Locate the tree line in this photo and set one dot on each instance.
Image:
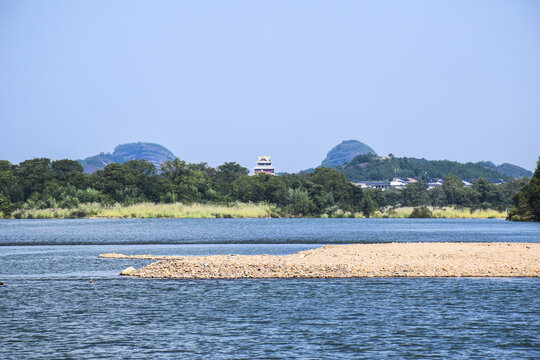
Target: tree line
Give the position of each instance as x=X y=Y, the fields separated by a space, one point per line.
x=41 y=183
x=527 y=199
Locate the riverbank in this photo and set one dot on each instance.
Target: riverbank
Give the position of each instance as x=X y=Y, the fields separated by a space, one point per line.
x=151 y=210
x=358 y=260
x=443 y=213
x=233 y=210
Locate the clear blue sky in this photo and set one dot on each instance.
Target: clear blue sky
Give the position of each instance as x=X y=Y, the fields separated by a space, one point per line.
x=224 y=81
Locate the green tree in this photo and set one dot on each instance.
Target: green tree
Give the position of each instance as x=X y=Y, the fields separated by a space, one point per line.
x=454 y=190
x=487 y=194
x=259 y=188
x=346 y=195
x=300 y=203
x=226 y=174
x=69 y=172
x=508 y=190
x=187 y=184
x=6 y=207
x=175 y=170
x=533 y=194
x=368 y=205
x=117 y=181
x=5 y=165
x=33 y=175
x=527 y=200
x=9 y=185
x=149 y=184
x=377 y=195
x=66 y=166
x=393 y=197
x=436 y=196
x=415 y=194
x=323 y=201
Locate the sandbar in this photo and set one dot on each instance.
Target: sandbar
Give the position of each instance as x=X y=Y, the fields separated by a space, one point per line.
x=351 y=261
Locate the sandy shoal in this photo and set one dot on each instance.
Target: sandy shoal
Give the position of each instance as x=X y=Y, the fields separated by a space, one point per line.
x=357 y=260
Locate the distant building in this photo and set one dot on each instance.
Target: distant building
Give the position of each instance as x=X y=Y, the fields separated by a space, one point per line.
x=381 y=185
x=496 y=181
x=396 y=183
x=434 y=183
x=264 y=164
x=400 y=183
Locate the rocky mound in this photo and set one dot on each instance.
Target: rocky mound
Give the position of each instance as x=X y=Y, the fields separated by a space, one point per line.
x=154 y=153
x=345 y=152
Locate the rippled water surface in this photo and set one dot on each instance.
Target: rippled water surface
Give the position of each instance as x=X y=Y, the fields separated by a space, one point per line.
x=264 y=231
x=50 y=310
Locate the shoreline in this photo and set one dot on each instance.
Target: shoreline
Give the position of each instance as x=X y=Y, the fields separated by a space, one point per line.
x=353 y=261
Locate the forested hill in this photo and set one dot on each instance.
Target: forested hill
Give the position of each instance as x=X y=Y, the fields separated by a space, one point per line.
x=507 y=169
x=153 y=153
x=345 y=152
x=370 y=167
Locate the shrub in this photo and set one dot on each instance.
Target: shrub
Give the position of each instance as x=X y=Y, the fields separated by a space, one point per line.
x=79 y=213
x=421 y=212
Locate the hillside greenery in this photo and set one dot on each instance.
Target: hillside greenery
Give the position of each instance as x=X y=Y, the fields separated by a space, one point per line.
x=527 y=199
x=370 y=167
x=506 y=169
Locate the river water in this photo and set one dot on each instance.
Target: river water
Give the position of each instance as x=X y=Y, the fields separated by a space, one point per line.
x=49 y=310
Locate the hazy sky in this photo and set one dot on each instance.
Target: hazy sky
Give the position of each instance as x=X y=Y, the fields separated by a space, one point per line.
x=220 y=81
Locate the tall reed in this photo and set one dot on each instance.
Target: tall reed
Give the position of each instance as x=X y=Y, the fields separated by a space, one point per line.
x=234 y=210
x=151 y=210
x=444 y=213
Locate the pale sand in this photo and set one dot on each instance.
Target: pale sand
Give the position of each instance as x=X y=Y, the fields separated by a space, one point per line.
x=358 y=260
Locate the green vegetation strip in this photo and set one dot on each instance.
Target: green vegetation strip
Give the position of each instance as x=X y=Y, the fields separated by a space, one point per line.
x=39 y=188
x=237 y=210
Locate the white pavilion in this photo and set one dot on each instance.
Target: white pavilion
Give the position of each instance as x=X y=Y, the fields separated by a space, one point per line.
x=264 y=164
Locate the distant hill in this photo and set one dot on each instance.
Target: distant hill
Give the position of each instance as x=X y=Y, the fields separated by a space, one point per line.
x=359 y=162
x=345 y=152
x=507 y=169
x=154 y=153
x=370 y=167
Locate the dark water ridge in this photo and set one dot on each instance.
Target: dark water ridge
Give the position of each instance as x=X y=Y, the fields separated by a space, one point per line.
x=260 y=231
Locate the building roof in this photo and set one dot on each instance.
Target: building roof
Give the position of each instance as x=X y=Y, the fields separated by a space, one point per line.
x=264 y=158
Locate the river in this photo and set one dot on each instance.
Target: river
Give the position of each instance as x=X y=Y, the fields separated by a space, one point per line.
x=51 y=310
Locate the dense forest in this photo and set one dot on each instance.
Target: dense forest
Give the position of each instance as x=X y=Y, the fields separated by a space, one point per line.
x=41 y=183
x=372 y=167
x=527 y=200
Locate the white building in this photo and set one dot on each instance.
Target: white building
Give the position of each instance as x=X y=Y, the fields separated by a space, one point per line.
x=400 y=183
x=381 y=185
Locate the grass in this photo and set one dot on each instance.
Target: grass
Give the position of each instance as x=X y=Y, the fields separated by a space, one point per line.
x=150 y=210
x=444 y=213
x=235 y=210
